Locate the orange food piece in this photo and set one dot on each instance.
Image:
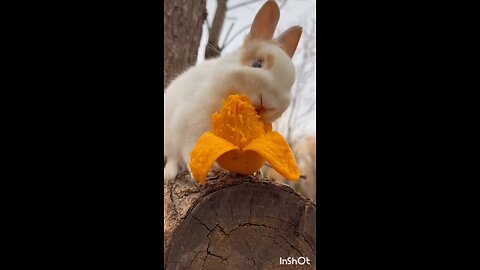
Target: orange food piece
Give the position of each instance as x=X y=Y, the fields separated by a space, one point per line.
x=241 y=142
x=238 y=122
x=243 y=162
x=208 y=149
x=275 y=149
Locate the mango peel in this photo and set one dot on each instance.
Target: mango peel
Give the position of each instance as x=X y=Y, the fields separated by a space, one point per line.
x=241 y=142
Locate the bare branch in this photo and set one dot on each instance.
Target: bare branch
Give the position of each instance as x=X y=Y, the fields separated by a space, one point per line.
x=213 y=49
x=243 y=4
x=208 y=23
x=228 y=33
x=236 y=35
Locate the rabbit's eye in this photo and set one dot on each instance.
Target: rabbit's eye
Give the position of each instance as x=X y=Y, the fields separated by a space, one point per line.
x=258 y=63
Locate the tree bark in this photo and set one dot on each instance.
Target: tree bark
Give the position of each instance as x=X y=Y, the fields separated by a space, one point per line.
x=182 y=27
x=236 y=222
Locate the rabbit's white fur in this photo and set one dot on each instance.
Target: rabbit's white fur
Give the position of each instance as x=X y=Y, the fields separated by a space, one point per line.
x=193 y=97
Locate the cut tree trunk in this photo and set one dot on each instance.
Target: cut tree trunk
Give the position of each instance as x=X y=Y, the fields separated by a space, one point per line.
x=236 y=222
x=182 y=28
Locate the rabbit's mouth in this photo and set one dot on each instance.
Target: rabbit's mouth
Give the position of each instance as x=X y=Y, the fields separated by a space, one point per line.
x=263 y=110
x=267 y=114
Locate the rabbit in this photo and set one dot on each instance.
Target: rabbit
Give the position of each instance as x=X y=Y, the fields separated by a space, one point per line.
x=261 y=69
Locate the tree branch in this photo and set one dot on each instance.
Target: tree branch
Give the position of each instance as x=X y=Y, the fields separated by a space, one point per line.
x=228 y=33
x=236 y=35
x=243 y=4
x=213 y=49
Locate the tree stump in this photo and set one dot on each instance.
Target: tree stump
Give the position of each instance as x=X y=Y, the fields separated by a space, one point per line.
x=236 y=222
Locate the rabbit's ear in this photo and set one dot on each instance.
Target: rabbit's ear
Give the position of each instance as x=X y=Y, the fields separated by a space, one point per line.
x=265 y=21
x=288 y=40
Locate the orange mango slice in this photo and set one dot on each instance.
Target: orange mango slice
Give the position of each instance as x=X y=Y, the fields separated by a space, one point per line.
x=241 y=142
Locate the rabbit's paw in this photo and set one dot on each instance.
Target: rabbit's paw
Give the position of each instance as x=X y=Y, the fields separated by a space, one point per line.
x=170 y=171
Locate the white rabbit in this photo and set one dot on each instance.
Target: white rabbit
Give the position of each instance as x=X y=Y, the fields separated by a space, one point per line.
x=261 y=69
